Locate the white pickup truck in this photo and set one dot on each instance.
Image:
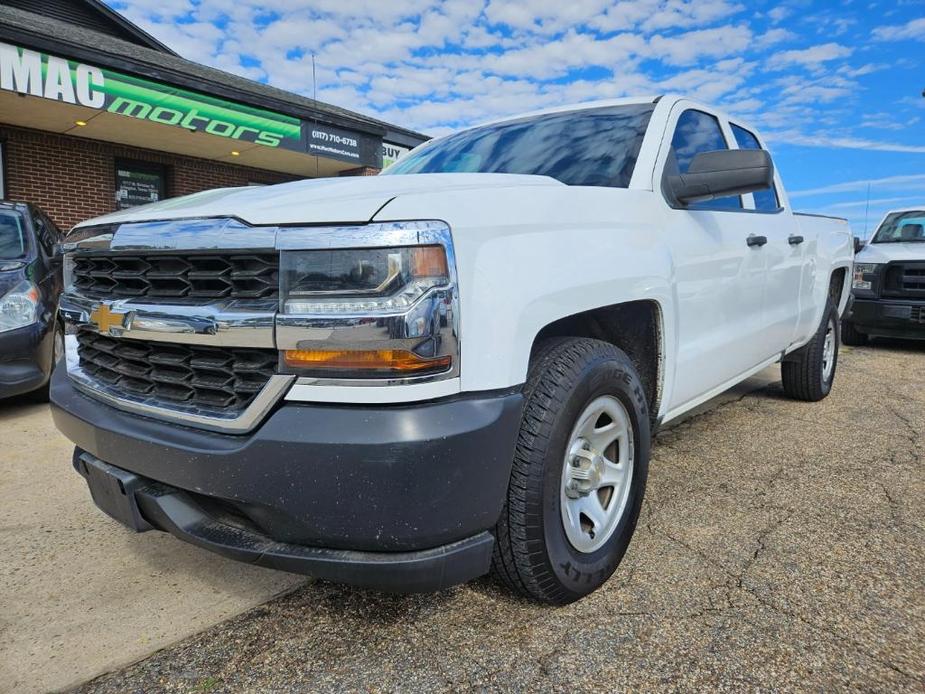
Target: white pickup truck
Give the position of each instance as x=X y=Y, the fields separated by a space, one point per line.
x=405 y=380
x=888 y=290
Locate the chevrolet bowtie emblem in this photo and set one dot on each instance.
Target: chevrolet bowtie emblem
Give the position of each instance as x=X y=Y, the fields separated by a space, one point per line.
x=105 y=318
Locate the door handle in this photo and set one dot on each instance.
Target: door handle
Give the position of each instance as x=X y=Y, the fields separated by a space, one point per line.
x=795 y=240
x=756 y=240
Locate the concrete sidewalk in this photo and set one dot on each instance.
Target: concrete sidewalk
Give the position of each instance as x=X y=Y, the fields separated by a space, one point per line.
x=80 y=594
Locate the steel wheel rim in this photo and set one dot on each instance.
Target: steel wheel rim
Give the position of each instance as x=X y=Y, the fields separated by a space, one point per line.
x=597 y=473
x=828 y=352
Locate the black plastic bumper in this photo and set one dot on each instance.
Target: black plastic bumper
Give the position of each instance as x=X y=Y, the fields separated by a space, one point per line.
x=395 y=497
x=25 y=359
x=142 y=505
x=901 y=318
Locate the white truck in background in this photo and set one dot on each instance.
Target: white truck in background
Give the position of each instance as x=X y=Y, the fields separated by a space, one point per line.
x=406 y=380
x=888 y=289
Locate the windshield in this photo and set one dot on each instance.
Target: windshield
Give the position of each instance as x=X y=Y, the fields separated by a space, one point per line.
x=902 y=227
x=13 y=243
x=594 y=147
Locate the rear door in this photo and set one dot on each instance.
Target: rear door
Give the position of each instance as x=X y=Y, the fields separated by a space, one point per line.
x=719 y=277
x=786 y=253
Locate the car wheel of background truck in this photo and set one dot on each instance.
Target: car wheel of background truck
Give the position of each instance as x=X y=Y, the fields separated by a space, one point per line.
x=579 y=474
x=57 y=353
x=851 y=336
x=808 y=373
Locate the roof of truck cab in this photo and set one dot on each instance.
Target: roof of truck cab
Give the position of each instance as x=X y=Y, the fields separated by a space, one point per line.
x=581 y=106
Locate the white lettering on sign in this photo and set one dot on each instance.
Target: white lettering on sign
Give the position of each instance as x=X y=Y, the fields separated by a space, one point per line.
x=333 y=138
x=88 y=75
x=58 y=85
x=22 y=72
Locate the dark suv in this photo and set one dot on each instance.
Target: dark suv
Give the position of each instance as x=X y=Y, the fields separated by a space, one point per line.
x=31 y=337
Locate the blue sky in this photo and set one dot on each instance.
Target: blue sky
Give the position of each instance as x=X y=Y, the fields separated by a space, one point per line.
x=835 y=87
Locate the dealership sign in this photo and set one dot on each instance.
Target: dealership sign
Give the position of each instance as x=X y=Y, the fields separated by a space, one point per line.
x=51 y=77
x=345 y=145
x=392 y=153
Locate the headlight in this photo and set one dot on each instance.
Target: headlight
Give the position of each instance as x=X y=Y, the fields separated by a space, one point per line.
x=375 y=314
x=369 y=281
x=864 y=274
x=19 y=306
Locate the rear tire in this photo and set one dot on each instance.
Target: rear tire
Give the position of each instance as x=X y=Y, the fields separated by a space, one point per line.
x=851 y=336
x=808 y=373
x=570 y=457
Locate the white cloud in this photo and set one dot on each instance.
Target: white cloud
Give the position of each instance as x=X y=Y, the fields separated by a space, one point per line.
x=910 y=181
x=689 y=13
x=779 y=13
x=691 y=46
x=834 y=142
x=866 y=69
x=809 y=57
x=773 y=36
x=913 y=30
x=876 y=202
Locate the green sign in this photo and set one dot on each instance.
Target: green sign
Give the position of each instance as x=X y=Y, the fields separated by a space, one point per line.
x=39 y=74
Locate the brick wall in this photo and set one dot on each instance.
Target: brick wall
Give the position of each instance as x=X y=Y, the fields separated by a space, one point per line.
x=360 y=171
x=74 y=178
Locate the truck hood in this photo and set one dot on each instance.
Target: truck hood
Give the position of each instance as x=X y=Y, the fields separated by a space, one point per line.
x=317 y=201
x=888 y=252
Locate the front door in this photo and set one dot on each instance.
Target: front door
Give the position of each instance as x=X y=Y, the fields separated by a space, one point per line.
x=720 y=278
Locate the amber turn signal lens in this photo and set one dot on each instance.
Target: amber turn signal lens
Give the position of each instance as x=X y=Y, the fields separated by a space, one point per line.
x=399 y=361
x=428 y=261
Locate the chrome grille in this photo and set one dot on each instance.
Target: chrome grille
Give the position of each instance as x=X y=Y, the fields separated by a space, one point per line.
x=213 y=276
x=210 y=378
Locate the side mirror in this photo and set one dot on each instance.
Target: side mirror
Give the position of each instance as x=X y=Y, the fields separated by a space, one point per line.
x=723 y=172
x=57 y=256
x=858 y=245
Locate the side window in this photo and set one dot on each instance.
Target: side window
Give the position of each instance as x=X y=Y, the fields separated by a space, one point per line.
x=56 y=234
x=765 y=200
x=697 y=132
x=43 y=234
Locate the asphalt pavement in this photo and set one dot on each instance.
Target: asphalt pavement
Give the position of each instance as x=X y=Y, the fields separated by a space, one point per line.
x=781 y=547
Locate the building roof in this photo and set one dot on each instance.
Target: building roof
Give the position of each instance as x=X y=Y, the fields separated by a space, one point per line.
x=82 y=43
x=91 y=14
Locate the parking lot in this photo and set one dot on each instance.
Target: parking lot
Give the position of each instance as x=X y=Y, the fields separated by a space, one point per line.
x=781 y=546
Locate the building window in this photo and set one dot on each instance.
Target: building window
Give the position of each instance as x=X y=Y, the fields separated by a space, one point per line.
x=139 y=183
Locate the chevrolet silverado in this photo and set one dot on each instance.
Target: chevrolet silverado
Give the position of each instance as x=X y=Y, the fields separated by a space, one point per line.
x=404 y=381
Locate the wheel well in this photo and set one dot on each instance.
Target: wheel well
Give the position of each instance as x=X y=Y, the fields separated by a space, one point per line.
x=837 y=286
x=634 y=327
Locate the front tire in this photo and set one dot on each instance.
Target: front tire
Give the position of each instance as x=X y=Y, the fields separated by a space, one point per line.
x=579 y=474
x=851 y=336
x=809 y=372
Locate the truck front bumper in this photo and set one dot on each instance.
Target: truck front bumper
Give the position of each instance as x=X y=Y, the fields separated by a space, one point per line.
x=398 y=497
x=900 y=318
